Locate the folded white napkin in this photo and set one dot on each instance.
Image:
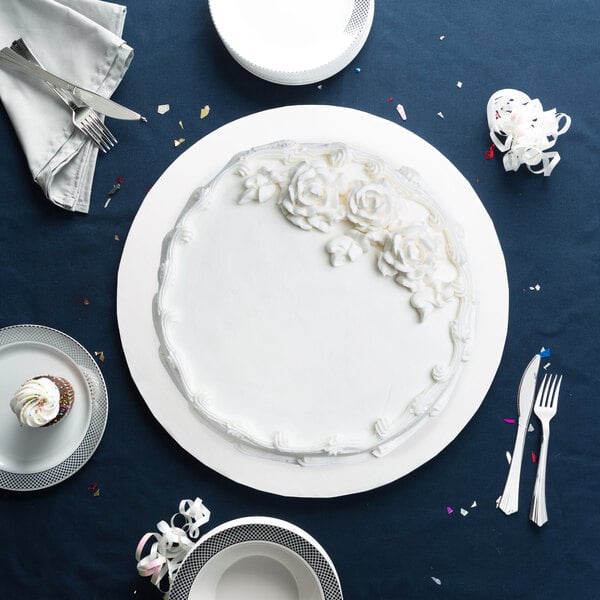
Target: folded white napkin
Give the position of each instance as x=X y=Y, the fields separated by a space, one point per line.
x=80 y=41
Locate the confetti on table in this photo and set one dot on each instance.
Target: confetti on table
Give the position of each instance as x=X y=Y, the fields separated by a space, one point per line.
x=181 y=124
x=544 y=352
x=498 y=499
x=533 y=457
x=442 y=37
x=436 y=580
x=474 y=505
x=116 y=187
x=530 y=428
x=489 y=153
x=441 y=115
x=401 y=111
x=97 y=492
x=390 y=99
x=163 y=108
x=204 y=111
x=537 y=287
x=464 y=512
x=86 y=301
x=178 y=142
x=509 y=421
x=93 y=486
x=320 y=86
x=357 y=70
x=546 y=366
x=117 y=238
x=100 y=355
x=459 y=84
x=508 y=457
x=449 y=510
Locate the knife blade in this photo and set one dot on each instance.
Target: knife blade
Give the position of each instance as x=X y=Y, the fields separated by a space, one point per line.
x=509 y=501
x=10 y=60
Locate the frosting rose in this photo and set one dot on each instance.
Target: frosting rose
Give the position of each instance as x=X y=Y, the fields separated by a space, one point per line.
x=37 y=402
x=409 y=253
x=370 y=207
x=312 y=198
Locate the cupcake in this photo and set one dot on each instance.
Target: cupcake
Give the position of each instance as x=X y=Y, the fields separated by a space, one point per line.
x=43 y=401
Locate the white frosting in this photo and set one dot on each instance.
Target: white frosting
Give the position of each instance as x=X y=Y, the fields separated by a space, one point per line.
x=37 y=402
x=285 y=355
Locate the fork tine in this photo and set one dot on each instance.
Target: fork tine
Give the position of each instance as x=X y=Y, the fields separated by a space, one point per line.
x=554 y=399
x=106 y=132
x=92 y=135
x=91 y=123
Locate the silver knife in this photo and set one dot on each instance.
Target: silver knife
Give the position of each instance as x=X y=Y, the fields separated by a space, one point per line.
x=10 y=60
x=509 y=501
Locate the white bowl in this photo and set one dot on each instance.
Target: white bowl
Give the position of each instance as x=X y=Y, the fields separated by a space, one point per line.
x=295 y=42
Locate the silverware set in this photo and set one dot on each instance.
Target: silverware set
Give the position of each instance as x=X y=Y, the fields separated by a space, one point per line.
x=85 y=106
x=544 y=405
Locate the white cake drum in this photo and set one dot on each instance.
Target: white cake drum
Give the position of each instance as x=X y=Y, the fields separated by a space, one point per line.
x=329 y=312
x=287 y=358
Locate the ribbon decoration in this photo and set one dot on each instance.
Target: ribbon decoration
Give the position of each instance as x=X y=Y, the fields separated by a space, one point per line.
x=520 y=127
x=172 y=544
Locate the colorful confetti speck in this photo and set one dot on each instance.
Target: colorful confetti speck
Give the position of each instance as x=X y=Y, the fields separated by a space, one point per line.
x=117 y=238
x=93 y=486
x=441 y=115
x=163 y=108
x=178 y=142
x=181 y=124
x=534 y=457
x=530 y=428
x=459 y=84
x=389 y=100
x=474 y=505
x=464 y=512
x=86 y=302
x=489 y=153
x=401 y=111
x=357 y=70
x=436 y=580
x=449 y=510
x=509 y=421
x=100 y=355
x=508 y=457
x=442 y=38
x=204 y=111
x=97 y=492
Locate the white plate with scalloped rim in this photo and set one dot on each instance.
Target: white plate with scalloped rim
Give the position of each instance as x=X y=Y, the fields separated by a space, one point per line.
x=32 y=459
x=138 y=283
x=295 y=42
x=257 y=558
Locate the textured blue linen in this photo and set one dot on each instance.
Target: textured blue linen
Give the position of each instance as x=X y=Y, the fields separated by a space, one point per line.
x=389 y=543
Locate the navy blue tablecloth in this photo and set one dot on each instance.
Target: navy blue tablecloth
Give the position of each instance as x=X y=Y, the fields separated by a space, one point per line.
x=59 y=269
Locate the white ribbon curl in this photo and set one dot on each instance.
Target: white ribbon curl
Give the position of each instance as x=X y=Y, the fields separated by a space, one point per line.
x=520 y=127
x=172 y=544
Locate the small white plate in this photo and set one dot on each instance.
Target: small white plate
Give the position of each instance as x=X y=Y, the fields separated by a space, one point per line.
x=257 y=558
x=295 y=42
x=32 y=459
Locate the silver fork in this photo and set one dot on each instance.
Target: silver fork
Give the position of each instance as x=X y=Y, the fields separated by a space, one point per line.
x=545 y=407
x=84 y=118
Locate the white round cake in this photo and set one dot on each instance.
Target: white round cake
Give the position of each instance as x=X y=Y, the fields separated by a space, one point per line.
x=314 y=303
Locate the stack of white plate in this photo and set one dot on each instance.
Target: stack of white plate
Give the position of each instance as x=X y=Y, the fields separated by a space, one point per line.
x=293 y=42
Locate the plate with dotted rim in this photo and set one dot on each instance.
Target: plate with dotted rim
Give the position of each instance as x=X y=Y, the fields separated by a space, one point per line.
x=260 y=557
x=33 y=459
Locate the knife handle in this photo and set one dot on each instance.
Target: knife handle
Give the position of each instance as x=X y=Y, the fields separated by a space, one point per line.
x=509 y=501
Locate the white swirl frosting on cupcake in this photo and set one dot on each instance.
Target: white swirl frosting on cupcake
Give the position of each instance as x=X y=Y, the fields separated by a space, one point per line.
x=37 y=402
